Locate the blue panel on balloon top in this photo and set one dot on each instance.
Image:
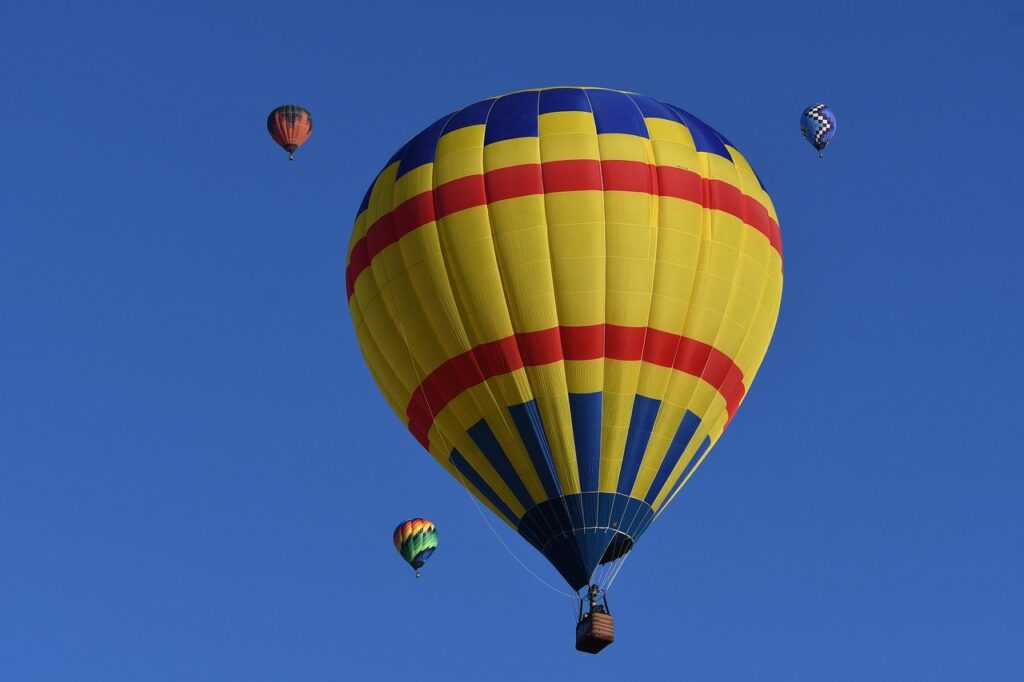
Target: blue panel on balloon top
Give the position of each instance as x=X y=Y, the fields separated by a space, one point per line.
x=531 y=430
x=473 y=115
x=652 y=108
x=585 y=409
x=512 y=116
x=395 y=157
x=705 y=138
x=641 y=423
x=615 y=112
x=420 y=149
x=563 y=99
x=490 y=447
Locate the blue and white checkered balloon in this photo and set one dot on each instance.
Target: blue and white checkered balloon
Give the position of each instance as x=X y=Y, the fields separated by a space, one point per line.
x=818 y=125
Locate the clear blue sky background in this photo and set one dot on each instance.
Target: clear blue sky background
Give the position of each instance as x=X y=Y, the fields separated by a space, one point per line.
x=199 y=480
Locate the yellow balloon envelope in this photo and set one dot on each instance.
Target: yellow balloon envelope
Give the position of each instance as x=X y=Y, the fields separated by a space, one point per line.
x=565 y=294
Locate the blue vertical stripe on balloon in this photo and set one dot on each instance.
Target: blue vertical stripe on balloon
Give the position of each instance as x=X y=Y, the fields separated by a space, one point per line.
x=641 y=423
x=531 y=430
x=471 y=476
x=585 y=410
x=684 y=434
x=490 y=447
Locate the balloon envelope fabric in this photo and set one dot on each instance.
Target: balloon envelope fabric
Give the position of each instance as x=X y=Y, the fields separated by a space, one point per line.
x=818 y=126
x=565 y=294
x=416 y=540
x=290 y=126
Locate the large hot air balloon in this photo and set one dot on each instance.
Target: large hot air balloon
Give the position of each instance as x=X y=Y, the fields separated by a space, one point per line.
x=416 y=540
x=565 y=294
x=818 y=126
x=290 y=126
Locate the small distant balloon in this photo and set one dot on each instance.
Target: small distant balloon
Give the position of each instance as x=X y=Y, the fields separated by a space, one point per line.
x=818 y=125
x=290 y=126
x=416 y=540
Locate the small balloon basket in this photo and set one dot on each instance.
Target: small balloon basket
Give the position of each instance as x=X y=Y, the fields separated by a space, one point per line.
x=594 y=632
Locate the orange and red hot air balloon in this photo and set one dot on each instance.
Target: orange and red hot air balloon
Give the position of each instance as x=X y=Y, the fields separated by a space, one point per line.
x=290 y=125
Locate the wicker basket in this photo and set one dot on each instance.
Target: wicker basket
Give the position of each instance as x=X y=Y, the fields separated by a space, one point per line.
x=595 y=632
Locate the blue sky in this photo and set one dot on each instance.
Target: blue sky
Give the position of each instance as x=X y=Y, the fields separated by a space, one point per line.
x=198 y=478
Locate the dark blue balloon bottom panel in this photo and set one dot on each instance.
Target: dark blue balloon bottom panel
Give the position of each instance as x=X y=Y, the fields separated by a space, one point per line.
x=577 y=533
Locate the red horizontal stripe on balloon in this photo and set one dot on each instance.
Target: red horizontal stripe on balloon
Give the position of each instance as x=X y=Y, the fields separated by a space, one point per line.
x=411 y=214
x=584 y=343
x=572 y=176
x=629 y=176
x=558 y=176
x=540 y=347
x=534 y=349
x=624 y=343
x=359 y=260
x=680 y=183
x=461 y=194
x=514 y=182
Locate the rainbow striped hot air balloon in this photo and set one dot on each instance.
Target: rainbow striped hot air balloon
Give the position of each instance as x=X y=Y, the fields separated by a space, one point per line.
x=416 y=540
x=565 y=294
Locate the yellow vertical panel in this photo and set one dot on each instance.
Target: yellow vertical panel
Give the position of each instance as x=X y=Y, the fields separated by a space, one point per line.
x=430 y=283
x=382 y=328
x=620 y=381
x=521 y=242
x=381 y=372
x=576 y=238
x=630 y=273
x=678 y=250
x=584 y=376
x=472 y=265
x=753 y=350
x=551 y=394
